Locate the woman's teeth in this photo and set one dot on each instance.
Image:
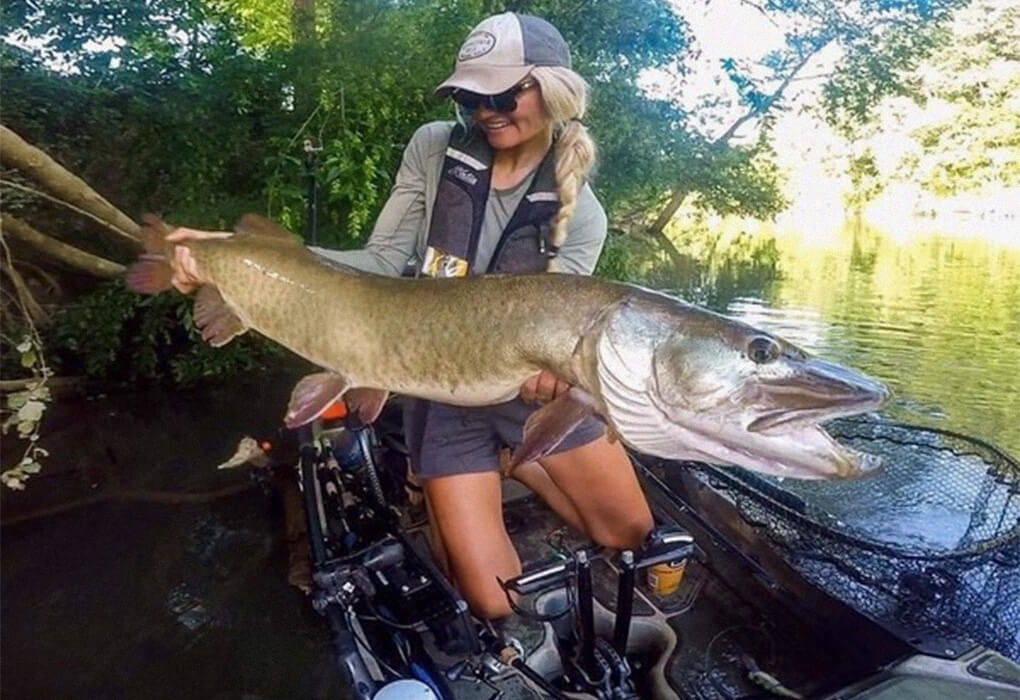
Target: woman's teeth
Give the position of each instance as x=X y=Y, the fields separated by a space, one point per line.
x=495 y=124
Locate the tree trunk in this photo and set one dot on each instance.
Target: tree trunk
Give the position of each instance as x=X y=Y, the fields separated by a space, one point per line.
x=58 y=250
x=303 y=18
x=680 y=193
x=658 y=227
x=18 y=153
x=306 y=57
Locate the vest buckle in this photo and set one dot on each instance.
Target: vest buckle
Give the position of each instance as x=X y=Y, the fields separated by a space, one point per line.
x=545 y=248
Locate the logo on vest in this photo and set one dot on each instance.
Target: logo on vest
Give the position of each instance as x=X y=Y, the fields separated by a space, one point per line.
x=476 y=45
x=464 y=175
x=439 y=263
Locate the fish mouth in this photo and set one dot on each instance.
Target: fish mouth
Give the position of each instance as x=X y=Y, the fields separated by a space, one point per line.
x=804 y=452
x=817 y=392
x=780 y=433
x=801 y=451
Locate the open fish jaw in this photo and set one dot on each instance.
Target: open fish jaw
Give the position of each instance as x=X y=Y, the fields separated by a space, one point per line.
x=680 y=415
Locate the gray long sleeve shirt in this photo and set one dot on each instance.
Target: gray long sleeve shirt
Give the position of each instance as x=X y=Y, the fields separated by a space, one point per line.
x=401 y=231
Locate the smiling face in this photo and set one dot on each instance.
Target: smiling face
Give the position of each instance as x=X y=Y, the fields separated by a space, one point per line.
x=507 y=130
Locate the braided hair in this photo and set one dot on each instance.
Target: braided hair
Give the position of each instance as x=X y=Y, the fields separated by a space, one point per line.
x=565 y=98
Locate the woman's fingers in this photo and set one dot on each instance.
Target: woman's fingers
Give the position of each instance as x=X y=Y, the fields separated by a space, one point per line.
x=185 y=275
x=194 y=234
x=543 y=387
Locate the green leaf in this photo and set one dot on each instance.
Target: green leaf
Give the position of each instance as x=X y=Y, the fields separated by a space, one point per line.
x=29 y=358
x=30 y=467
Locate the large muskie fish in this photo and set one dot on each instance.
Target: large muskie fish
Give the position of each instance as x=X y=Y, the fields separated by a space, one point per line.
x=669 y=379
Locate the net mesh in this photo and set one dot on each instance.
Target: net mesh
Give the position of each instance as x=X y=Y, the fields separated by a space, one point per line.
x=929 y=546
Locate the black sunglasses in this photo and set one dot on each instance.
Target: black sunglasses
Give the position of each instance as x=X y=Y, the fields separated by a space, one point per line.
x=504 y=102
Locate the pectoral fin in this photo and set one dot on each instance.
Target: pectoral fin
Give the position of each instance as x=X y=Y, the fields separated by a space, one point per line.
x=545 y=428
x=367 y=403
x=217 y=323
x=313 y=395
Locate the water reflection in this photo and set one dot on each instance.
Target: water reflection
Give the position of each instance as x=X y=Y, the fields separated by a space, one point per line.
x=934 y=316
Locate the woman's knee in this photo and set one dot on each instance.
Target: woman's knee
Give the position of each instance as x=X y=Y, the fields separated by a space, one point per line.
x=622 y=533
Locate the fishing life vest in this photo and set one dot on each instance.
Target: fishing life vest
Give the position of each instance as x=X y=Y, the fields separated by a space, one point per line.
x=459 y=208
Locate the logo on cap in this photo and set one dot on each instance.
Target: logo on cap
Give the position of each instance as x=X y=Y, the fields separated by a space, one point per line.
x=478 y=44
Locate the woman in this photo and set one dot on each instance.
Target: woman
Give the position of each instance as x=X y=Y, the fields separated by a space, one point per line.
x=502 y=190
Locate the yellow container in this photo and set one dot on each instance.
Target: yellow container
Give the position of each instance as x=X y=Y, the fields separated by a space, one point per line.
x=664 y=579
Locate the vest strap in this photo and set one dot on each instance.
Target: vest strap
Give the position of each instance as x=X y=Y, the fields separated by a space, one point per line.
x=459 y=207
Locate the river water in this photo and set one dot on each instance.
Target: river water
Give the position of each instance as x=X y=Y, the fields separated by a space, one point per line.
x=934 y=316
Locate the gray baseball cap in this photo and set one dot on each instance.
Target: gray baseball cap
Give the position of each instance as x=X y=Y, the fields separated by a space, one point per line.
x=501 y=51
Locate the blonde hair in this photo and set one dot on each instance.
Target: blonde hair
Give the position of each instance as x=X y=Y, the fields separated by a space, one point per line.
x=565 y=98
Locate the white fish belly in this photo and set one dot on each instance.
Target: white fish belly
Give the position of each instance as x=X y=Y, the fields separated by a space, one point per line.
x=475 y=394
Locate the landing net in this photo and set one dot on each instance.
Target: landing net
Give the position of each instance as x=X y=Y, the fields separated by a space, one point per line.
x=929 y=547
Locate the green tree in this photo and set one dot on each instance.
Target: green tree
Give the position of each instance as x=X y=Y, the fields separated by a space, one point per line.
x=878 y=43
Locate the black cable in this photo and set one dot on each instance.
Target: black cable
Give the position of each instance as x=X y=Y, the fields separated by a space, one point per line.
x=386 y=620
x=361 y=640
x=528 y=614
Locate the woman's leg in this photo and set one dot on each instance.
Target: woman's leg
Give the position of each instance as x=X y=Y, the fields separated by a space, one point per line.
x=466 y=511
x=535 y=477
x=600 y=481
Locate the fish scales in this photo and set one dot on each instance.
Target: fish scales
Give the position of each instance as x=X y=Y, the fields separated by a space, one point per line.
x=670 y=379
x=434 y=346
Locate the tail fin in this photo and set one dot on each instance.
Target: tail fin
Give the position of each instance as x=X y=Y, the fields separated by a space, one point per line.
x=152 y=272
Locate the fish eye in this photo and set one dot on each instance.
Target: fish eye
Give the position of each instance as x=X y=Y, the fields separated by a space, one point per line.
x=762 y=350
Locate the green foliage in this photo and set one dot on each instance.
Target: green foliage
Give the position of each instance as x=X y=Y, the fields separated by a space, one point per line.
x=956 y=133
x=716 y=264
x=198 y=109
x=116 y=335
x=976 y=78
x=881 y=42
x=881 y=67
x=865 y=179
x=24 y=409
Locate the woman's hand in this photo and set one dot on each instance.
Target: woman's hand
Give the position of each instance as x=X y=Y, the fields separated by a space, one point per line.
x=543 y=388
x=185 y=277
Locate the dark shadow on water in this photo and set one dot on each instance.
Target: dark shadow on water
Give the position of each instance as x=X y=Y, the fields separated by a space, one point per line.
x=131 y=598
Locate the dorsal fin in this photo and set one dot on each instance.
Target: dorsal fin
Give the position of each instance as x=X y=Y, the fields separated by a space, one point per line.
x=258 y=225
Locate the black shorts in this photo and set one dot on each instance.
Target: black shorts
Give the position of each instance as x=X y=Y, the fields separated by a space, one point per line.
x=445 y=440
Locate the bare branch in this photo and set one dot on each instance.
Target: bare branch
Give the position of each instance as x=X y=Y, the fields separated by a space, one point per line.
x=680 y=193
x=32 y=309
x=58 y=250
x=65 y=185
x=8 y=385
x=760 y=9
x=55 y=200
